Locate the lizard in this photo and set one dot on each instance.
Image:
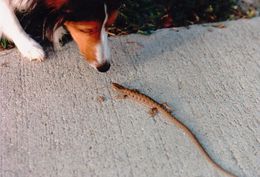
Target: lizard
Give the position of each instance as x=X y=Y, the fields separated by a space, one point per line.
x=151 y=103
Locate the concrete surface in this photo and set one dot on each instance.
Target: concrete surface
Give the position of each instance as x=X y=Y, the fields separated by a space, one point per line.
x=54 y=124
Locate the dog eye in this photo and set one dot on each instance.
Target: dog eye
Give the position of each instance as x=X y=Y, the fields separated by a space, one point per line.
x=89 y=31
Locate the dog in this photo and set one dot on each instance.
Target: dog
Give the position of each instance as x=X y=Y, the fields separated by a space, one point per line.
x=85 y=20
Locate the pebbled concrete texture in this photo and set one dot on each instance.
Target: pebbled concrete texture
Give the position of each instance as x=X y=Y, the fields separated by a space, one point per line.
x=53 y=122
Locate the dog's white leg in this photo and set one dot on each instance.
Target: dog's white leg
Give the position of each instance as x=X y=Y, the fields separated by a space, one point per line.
x=12 y=29
x=57 y=37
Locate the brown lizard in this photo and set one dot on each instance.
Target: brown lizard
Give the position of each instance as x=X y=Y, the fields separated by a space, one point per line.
x=149 y=102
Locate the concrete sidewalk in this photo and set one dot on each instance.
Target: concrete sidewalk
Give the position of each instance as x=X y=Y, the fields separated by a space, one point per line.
x=53 y=122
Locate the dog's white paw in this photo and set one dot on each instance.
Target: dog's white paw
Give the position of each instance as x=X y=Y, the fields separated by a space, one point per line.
x=32 y=50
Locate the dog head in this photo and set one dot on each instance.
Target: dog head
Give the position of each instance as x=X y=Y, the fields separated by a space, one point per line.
x=86 y=21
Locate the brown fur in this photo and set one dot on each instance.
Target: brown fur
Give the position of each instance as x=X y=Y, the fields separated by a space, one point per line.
x=87 y=36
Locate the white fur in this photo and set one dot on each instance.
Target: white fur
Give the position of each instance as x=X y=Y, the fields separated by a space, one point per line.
x=11 y=28
x=102 y=49
x=99 y=54
x=21 y=5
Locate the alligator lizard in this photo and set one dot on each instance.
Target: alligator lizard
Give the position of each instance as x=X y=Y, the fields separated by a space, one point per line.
x=149 y=102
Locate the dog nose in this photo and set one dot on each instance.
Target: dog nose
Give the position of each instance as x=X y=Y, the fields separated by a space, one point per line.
x=104 y=67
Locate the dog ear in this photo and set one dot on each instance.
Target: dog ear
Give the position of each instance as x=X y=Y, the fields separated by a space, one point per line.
x=113 y=4
x=112 y=9
x=51 y=23
x=58 y=11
